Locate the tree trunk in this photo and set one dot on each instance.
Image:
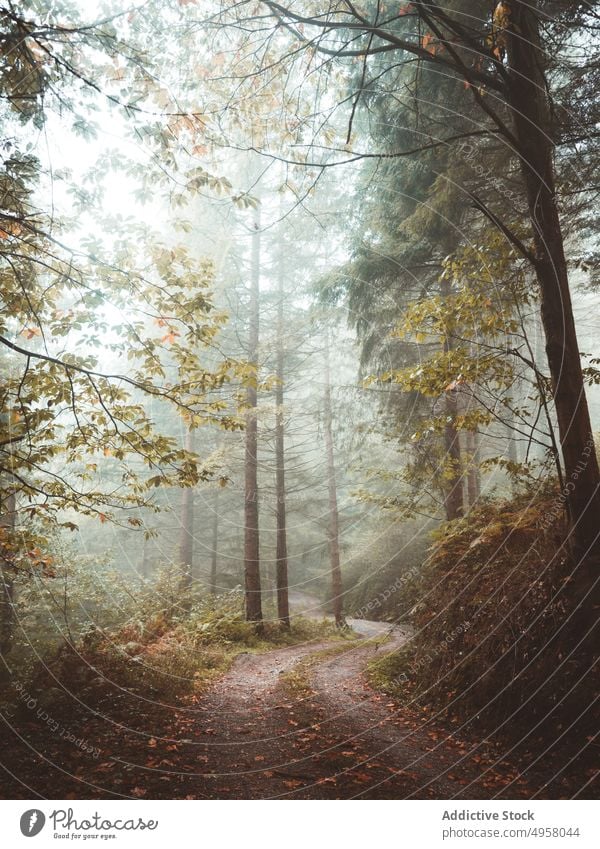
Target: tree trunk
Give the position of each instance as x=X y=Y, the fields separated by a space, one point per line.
x=512 y=453
x=473 y=477
x=453 y=500
x=214 y=554
x=186 y=532
x=145 y=565
x=7 y=613
x=251 y=532
x=533 y=129
x=281 y=556
x=333 y=528
x=454 y=493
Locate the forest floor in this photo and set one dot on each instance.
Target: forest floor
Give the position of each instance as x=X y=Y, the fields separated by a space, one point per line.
x=297 y=722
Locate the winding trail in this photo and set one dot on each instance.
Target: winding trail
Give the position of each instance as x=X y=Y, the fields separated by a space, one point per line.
x=297 y=722
x=256 y=738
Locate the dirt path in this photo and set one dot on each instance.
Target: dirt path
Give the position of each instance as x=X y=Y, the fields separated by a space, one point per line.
x=297 y=722
x=253 y=738
x=422 y=759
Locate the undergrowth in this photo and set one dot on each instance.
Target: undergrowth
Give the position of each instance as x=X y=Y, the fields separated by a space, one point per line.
x=489 y=599
x=162 y=651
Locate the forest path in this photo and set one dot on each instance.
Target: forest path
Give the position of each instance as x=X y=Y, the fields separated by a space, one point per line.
x=302 y=722
x=295 y=722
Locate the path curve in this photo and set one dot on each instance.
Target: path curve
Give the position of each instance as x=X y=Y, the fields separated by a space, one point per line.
x=253 y=738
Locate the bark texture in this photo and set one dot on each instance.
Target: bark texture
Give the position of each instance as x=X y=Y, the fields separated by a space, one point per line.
x=281 y=554
x=333 y=524
x=251 y=529
x=186 y=532
x=532 y=120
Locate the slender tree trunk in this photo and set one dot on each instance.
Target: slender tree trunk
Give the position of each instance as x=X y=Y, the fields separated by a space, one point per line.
x=454 y=496
x=472 y=450
x=333 y=528
x=7 y=614
x=512 y=453
x=214 y=554
x=251 y=531
x=473 y=476
x=186 y=533
x=540 y=359
x=145 y=564
x=281 y=555
x=455 y=490
x=533 y=131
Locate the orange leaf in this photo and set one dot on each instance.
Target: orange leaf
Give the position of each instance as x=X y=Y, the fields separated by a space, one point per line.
x=429 y=45
x=30 y=332
x=11 y=228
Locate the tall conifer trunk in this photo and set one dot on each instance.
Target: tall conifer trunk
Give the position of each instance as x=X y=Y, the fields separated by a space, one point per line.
x=251 y=530
x=333 y=532
x=281 y=555
x=186 y=532
x=214 y=553
x=454 y=491
x=473 y=476
x=145 y=564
